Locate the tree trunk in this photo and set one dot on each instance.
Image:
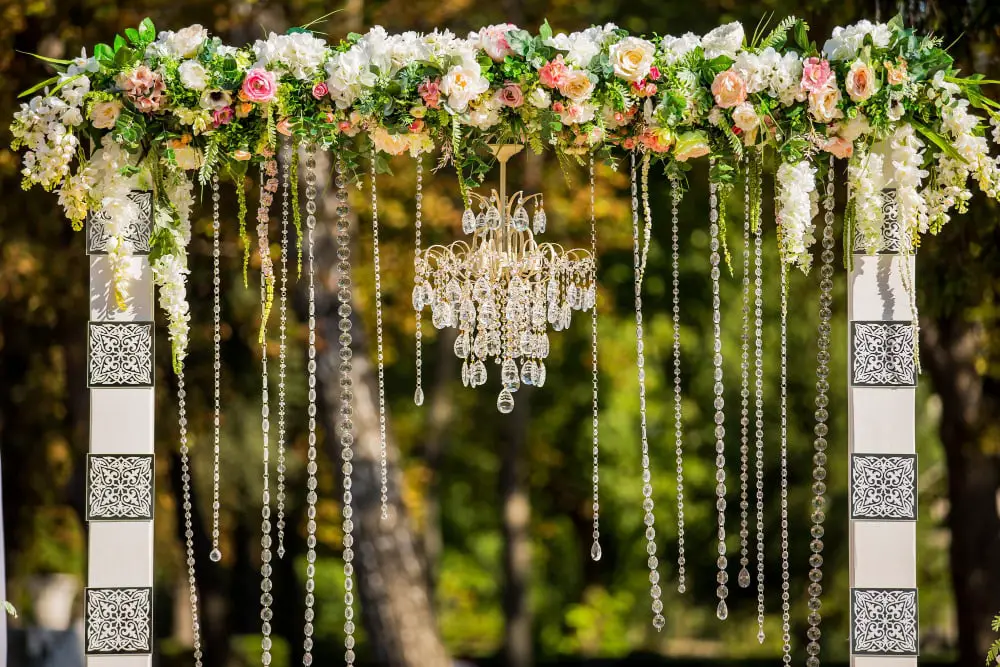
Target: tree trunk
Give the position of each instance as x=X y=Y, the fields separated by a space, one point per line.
x=952 y=349
x=391 y=577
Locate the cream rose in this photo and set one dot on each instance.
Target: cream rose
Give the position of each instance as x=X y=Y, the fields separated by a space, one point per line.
x=193 y=75
x=823 y=103
x=691 y=145
x=104 y=115
x=632 y=57
x=577 y=85
x=186 y=42
x=860 y=82
x=745 y=117
x=462 y=84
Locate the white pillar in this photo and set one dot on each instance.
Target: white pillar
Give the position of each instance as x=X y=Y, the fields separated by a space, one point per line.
x=883 y=466
x=118 y=600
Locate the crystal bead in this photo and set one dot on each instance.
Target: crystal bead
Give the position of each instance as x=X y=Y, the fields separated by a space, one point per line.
x=538 y=224
x=509 y=376
x=659 y=622
x=722 y=611
x=595 y=551
x=215 y=556
x=744 y=578
x=520 y=220
x=493 y=218
x=505 y=402
x=468 y=221
x=418 y=396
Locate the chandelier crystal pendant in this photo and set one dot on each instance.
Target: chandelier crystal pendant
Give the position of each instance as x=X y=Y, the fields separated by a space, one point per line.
x=502 y=290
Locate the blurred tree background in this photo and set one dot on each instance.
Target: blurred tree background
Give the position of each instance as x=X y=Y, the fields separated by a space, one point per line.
x=498 y=508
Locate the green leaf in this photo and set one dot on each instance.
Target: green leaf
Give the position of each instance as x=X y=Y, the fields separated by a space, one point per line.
x=103 y=52
x=132 y=35
x=54 y=61
x=938 y=141
x=38 y=86
x=146 y=30
x=124 y=56
x=9 y=608
x=119 y=42
x=545 y=31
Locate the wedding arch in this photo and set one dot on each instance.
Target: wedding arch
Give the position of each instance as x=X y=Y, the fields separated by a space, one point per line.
x=125 y=136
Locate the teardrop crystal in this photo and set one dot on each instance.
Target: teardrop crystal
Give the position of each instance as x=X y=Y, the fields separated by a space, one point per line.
x=521 y=220
x=418 y=298
x=509 y=376
x=505 y=402
x=744 y=578
x=722 y=611
x=215 y=556
x=595 y=551
x=493 y=217
x=540 y=375
x=468 y=221
x=760 y=636
x=539 y=221
x=418 y=396
x=528 y=370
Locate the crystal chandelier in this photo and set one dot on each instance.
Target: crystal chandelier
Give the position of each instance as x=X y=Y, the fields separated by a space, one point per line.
x=502 y=290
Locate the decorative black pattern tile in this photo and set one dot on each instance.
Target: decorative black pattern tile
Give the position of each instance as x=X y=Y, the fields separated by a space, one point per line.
x=137 y=230
x=119 y=487
x=884 y=486
x=882 y=354
x=892 y=231
x=118 y=620
x=120 y=354
x=884 y=621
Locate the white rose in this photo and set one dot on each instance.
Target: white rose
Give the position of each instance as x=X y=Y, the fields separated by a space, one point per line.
x=186 y=42
x=539 y=98
x=193 y=75
x=675 y=48
x=104 y=115
x=462 y=84
x=632 y=57
x=725 y=40
x=745 y=117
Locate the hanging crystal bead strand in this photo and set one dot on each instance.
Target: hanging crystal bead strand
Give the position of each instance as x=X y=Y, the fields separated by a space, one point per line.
x=345 y=427
x=188 y=529
x=675 y=201
x=283 y=346
x=647 y=483
x=311 y=466
x=743 y=579
x=821 y=429
x=722 y=591
x=758 y=372
x=595 y=549
x=786 y=635
x=383 y=461
x=216 y=555
x=266 y=614
x=418 y=281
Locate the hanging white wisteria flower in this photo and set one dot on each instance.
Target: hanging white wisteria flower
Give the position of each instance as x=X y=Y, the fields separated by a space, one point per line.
x=172 y=224
x=866 y=180
x=797 y=206
x=907 y=160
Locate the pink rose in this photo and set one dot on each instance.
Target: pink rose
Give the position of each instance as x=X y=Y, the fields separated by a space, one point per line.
x=259 y=86
x=430 y=92
x=729 y=89
x=222 y=116
x=839 y=147
x=493 y=40
x=320 y=90
x=654 y=73
x=510 y=95
x=558 y=107
x=815 y=74
x=628 y=144
x=553 y=73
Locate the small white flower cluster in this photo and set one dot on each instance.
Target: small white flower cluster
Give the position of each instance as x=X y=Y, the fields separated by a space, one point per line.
x=866 y=181
x=44 y=126
x=170 y=270
x=907 y=160
x=995 y=124
x=300 y=54
x=675 y=48
x=582 y=47
x=109 y=190
x=797 y=206
x=769 y=71
x=846 y=42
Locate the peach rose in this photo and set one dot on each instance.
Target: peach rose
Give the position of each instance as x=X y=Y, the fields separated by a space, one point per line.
x=839 y=147
x=860 y=82
x=729 y=89
x=691 y=145
x=577 y=85
x=823 y=103
x=242 y=155
x=896 y=72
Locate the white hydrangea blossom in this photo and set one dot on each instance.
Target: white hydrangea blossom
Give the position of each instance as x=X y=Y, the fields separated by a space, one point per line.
x=675 y=48
x=582 y=47
x=866 y=181
x=797 y=206
x=300 y=54
x=725 y=40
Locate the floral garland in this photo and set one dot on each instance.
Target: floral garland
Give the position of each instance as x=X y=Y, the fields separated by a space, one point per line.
x=166 y=108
